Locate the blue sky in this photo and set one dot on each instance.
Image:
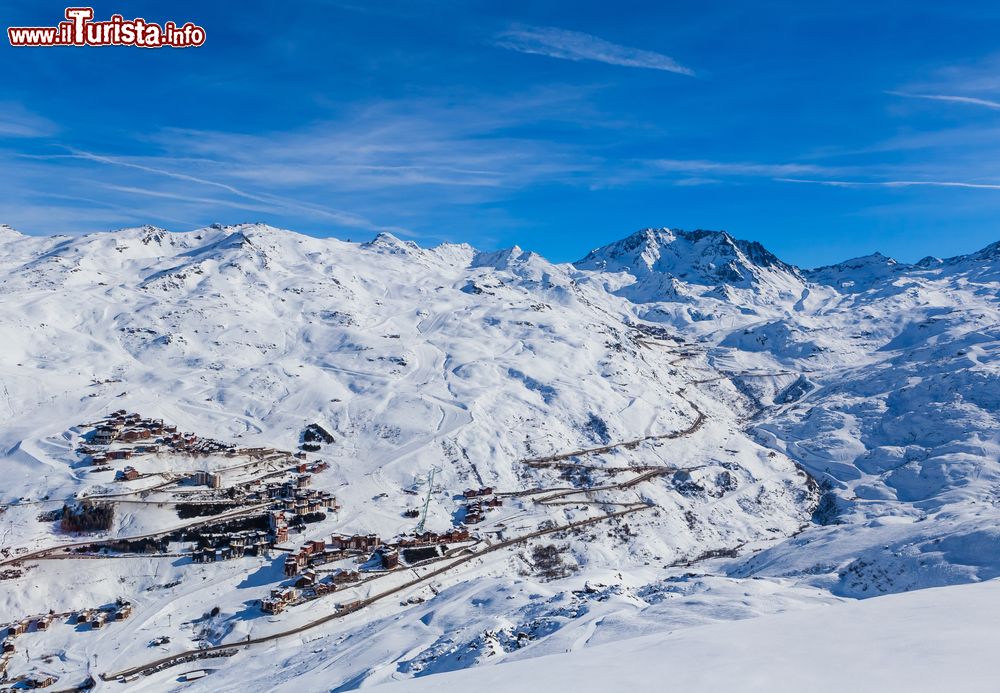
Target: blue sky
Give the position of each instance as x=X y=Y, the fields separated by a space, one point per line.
x=823 y=130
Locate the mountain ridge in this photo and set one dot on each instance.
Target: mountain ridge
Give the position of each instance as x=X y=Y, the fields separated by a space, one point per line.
x=649 y=242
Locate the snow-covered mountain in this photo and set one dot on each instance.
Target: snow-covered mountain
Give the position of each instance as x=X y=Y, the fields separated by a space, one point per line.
x=669 y=263
x=779 y=438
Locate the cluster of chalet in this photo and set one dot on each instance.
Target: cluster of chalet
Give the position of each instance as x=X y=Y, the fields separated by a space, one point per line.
x=296 y=562
x=223 y=546
x=226 y=545
x=477 y=503
x=315 y=553
x=124 y=435
x=319 y=552
x=452 y=536
x=355 y=542
x=314 y=468
x=302 y=563
x=129 y=428
x=28 y=625
x=280 y=599
x=303 y=502
x=307 y=587
x=194 y=445
x=144 y=435
x=308 y=581
x=97 y=618
x=295 y=495
x=38 y=680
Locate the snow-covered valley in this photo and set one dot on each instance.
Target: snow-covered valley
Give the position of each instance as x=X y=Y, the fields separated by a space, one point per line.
x=680 y=429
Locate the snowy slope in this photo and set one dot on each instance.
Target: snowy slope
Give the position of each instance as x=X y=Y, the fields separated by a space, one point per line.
x=941 y=639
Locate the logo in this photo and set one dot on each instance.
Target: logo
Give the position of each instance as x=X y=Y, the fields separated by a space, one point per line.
x=80 y=29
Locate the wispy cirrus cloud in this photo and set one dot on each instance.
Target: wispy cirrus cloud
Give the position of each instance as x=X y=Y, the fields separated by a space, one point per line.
x=380 y=166
x=954 y=98
x=736 y=168
x=812 y=174
x=18 y=122
x=268 y=200
x=578 y=46
x=970 y=84
x=472 y=151
x=894 y=183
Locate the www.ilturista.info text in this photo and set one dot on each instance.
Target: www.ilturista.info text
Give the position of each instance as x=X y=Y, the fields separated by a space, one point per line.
x=79 y=29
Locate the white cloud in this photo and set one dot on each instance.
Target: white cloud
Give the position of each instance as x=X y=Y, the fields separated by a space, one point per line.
x=575 y=45
x=17 y=121
x=704 y=172
x=397 y=166
x=737 y=168
x=274 y=201
x=894 y=183
x=950 y=97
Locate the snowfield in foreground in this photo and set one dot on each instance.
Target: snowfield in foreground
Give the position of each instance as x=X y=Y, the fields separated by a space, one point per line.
x=928 y=641
x=680 y=430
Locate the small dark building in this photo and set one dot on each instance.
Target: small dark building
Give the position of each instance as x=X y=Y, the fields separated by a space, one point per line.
x=388 y=557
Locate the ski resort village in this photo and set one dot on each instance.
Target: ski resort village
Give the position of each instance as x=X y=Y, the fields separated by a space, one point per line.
x=241 y=458
x=266 y=512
